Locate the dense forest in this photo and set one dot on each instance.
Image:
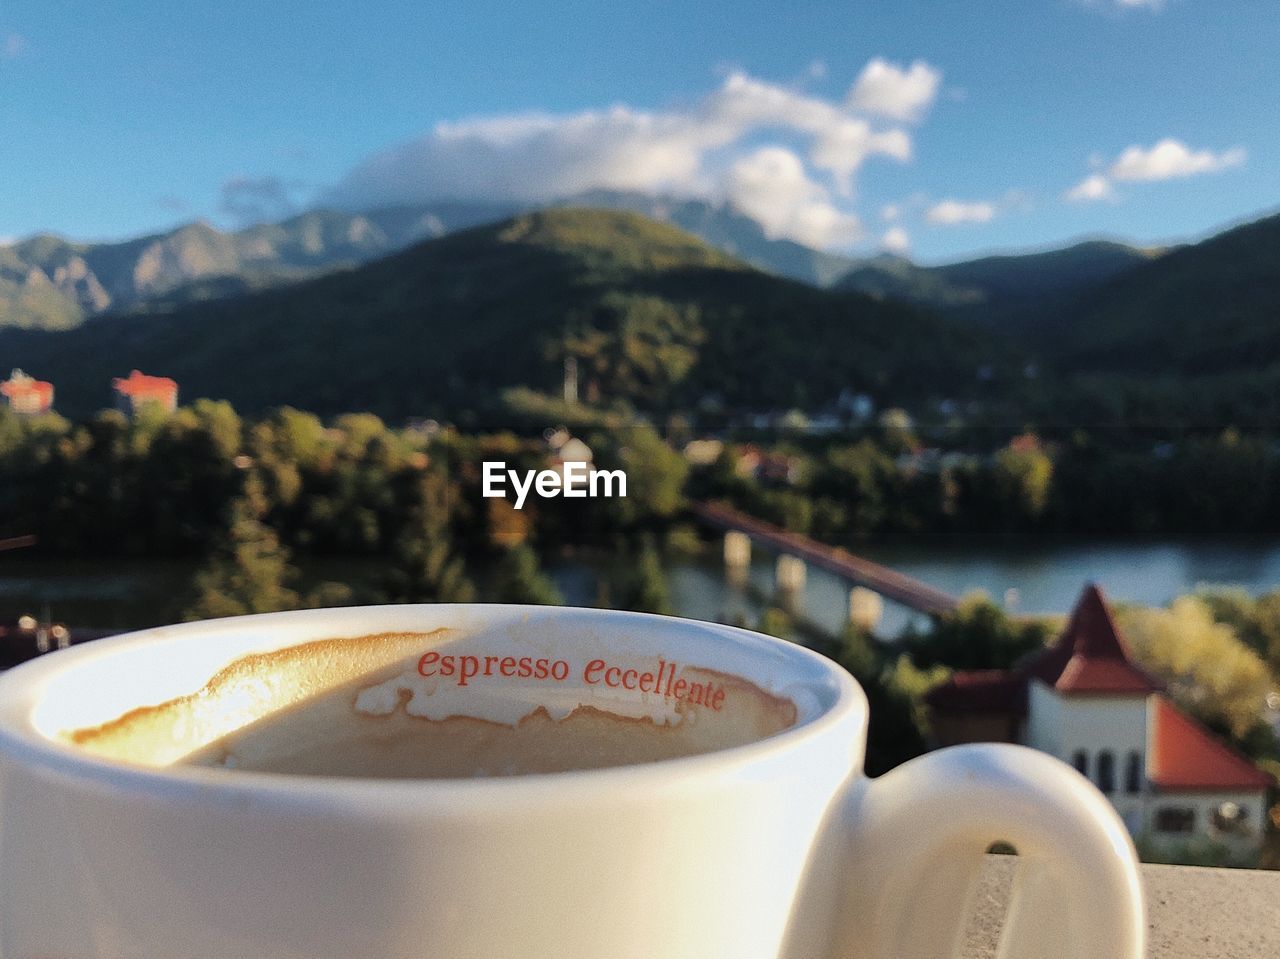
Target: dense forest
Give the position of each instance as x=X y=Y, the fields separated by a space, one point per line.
x=653 y=316
x=1098 y=335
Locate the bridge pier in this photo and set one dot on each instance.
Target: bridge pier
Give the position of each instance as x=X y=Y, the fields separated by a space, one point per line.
x=790 y=574
x=865 y=608
x=737 y=549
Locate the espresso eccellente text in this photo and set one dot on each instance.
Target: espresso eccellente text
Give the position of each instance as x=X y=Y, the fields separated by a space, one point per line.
x=461 y=669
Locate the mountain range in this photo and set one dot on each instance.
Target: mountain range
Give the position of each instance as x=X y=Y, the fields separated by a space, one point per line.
x=315 y=312
x=47 y=282
x=651 y=313
x=1208 y=309
x=999 y=292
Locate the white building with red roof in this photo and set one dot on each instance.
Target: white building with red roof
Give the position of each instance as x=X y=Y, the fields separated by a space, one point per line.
x=138 y=389
x=1086 y=702
x=26 y=395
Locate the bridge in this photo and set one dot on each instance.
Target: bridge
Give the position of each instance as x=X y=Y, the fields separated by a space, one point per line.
x=799 y=550
x=17 y=542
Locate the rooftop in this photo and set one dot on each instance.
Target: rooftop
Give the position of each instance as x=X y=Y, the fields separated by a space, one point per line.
x=1090 y=658
x=140 y=384
x=19 y=384
x=1186 y=756
x=981 y=691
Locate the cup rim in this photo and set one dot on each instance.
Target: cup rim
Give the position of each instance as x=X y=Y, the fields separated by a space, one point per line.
x=21 y=741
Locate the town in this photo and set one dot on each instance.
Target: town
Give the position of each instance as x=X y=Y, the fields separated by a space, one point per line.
x=1188 y=769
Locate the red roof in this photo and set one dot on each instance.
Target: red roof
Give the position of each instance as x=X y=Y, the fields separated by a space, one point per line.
x=1185 y=756
x=981 y=691
x=140 y=385
x=20 y=385
x=1089 y=657
x=1026 y=443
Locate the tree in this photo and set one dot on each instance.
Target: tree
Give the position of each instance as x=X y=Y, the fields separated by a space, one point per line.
x=859 y=477
x=1256 y=621
x=639 y=583
x=517 y=579
x=775 y=622
x=284 y=447
x=978 y=635
x=898 y=728
x=249 y=571
x=187 y=478
x=425 y=568
x=507 y=526
x=1022 y=480
x=640 y=347
x=1210 y=672
x=859 y=654
x=655 y=474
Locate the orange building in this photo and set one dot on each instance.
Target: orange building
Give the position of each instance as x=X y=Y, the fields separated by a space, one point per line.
x=26 y=395
x=138 y=389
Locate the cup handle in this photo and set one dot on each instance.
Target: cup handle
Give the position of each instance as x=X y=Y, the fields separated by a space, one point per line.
x=919 y=834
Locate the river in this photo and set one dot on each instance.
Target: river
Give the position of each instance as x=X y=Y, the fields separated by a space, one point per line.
x=1032 y=579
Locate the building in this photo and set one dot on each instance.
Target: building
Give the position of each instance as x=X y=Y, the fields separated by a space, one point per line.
x=26 y=638
x=565 y=448
x=767 y=466
x=703 y=452
x=27 y=396
x=1085 y=701
x=138 y=389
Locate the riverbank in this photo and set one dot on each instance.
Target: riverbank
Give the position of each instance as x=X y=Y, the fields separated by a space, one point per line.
x=1028 y=578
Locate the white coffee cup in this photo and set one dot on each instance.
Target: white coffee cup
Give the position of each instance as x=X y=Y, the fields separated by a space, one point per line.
x=777 y=848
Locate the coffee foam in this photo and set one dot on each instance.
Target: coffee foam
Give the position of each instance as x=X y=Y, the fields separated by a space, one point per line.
x=247 y=691
x=360 y=707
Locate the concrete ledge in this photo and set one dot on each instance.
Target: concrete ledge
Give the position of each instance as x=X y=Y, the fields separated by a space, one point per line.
x=1192 y=913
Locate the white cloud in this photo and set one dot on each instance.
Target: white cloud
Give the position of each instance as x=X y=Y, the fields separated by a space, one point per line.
x=1169 y=159
x=896 y=240
x=712 y=148
x=1121 y=5
x=1096 y=187
x=772 y=186
x=7 y=240
x=890 y=212
x=840 y=141
x=889 y=90
x=248 y=200
x=12 y=46
x=951 y=212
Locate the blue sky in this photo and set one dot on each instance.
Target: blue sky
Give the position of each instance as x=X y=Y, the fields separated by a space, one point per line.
x=937 y=127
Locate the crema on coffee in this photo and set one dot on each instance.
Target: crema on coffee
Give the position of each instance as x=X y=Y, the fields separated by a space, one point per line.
x=432 y=705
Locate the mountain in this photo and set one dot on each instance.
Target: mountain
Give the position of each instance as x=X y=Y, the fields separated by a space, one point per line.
x=728 y=229
x=651 y=313
x=1011 y=293
x=1208 y=309
x=891 y=277
x=47 y=282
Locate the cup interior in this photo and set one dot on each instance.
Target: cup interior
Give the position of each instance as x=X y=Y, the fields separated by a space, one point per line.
x=428 y=691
